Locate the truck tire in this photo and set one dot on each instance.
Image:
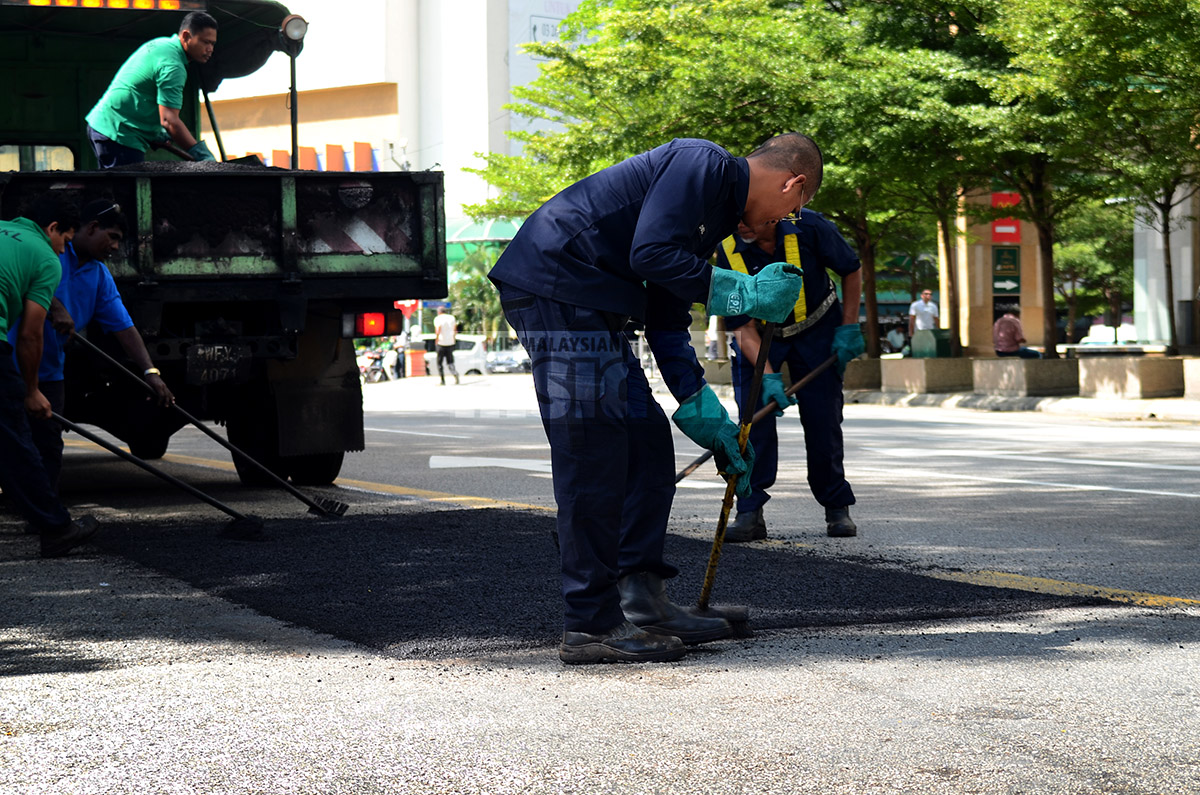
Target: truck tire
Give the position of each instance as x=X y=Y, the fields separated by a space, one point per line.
x=149 y=448
x=317 y=469
x=257 y=437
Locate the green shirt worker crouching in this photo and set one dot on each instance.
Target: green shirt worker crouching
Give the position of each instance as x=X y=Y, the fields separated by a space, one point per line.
x=141 y=106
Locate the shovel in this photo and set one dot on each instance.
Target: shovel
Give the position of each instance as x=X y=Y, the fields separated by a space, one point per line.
x=181 y=153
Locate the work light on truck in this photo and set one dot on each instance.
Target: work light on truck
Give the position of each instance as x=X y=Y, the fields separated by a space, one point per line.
x=372 y=324
x=136 y=5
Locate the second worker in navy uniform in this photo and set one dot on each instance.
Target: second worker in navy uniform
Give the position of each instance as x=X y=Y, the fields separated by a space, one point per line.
x=818 y=327
x=633 y=241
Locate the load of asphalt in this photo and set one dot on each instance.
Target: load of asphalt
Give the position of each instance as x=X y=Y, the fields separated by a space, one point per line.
x=453 y=583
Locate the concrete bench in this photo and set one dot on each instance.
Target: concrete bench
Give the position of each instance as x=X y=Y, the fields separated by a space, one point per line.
x=1191 y=379
x=1012 y=377
x=1131 y=377
x=925 y=375
x=862 y=374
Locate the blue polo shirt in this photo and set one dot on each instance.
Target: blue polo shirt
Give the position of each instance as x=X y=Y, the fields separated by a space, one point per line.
x=89 y=293
x=653 y=219
x=822 y=248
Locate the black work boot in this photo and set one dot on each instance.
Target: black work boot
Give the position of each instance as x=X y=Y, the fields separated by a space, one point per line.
x=838 y=523
x=623 y=643
x=746 y=526
x=61 y=540
x=644 y=602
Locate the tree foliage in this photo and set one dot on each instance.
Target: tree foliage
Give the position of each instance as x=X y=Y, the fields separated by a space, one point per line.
x=915 y=102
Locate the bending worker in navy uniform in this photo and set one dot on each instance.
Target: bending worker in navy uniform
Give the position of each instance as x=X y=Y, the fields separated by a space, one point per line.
x=141 y=106
x=86 y=292
x=632 y=241
x=817 y=328
x=29 y=273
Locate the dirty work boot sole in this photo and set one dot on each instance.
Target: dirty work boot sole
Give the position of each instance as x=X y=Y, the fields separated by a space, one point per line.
x=625 y=643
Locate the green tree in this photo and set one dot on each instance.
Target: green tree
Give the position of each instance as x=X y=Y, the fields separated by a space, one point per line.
x=474 y=298
x=1094 y=255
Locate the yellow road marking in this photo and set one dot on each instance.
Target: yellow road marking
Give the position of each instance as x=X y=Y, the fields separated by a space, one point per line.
x=1020 y=582
x=995 y=579
x=364 y=485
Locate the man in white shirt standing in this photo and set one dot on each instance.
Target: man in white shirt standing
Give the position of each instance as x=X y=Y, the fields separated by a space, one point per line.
x=445 y=333
x=923 y=314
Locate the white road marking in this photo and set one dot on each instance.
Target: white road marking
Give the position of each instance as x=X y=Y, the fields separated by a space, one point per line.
x=934 y=475
x=417 y=433
x=468 y=461
x=1007 y=456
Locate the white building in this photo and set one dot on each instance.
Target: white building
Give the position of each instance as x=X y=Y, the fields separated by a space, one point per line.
x=394 y=85
x=1150 y=310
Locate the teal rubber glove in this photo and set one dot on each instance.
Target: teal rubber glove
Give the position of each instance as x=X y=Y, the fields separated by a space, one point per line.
x=705 y=421
x=199 y=151
x=768 y=295
x=847 y=344
x=772 y=389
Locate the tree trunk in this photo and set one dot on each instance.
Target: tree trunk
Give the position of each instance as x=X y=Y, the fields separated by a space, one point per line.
x=951 y=299
x=865 y=246
x=1045 y=231
x=1072 y=302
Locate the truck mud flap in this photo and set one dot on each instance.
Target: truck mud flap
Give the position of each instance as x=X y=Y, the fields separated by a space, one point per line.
x=319 y=418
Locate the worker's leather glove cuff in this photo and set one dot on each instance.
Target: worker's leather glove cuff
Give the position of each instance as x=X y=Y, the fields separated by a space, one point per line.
x=848 y=344
x=769 y=295
x=199 y=151
x=705 y=421
x=772 y=389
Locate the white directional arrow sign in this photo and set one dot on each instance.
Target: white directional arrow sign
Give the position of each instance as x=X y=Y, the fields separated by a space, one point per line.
x=1007 y=284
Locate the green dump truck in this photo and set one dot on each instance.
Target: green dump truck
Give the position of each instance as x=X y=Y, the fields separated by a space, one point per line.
x=247 y=283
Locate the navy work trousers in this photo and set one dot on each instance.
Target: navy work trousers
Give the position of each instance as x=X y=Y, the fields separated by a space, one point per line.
x=110 y=154
x=611 y=453
x=47 y=434
x=820 y=406
x=22 y=475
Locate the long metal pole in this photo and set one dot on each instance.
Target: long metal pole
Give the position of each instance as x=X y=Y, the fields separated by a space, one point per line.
x=295 y=117
x=212 y=121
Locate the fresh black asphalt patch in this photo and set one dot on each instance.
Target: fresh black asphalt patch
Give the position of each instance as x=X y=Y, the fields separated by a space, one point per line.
x=449 y=583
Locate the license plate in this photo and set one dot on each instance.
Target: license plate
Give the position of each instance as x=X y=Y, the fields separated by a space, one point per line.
x=213 y=364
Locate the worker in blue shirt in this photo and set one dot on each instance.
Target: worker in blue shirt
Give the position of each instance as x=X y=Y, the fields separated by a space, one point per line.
x=632 y=241
x=85 y=293
x=818 y=327
x=29 y=274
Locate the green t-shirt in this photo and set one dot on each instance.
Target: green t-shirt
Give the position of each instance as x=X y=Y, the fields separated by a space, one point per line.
x=154 y=75
x=29 y=269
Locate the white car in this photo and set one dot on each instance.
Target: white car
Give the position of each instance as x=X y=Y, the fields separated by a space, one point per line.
x=470 y=355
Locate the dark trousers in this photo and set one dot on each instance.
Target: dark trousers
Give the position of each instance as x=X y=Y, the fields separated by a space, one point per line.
x=109 y=153
x=1023 y=352
x=820 y=406
x=47 y=434
x=445 y=353
x=611 y=452
x=22 y=475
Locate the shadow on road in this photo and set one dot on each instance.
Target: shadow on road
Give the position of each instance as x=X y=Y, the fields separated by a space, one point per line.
x=464 y=582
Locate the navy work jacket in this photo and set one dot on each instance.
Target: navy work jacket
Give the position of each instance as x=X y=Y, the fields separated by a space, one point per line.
x=652 y=220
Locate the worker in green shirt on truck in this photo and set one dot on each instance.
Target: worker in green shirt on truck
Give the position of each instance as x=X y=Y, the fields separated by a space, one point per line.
x=141 y=106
